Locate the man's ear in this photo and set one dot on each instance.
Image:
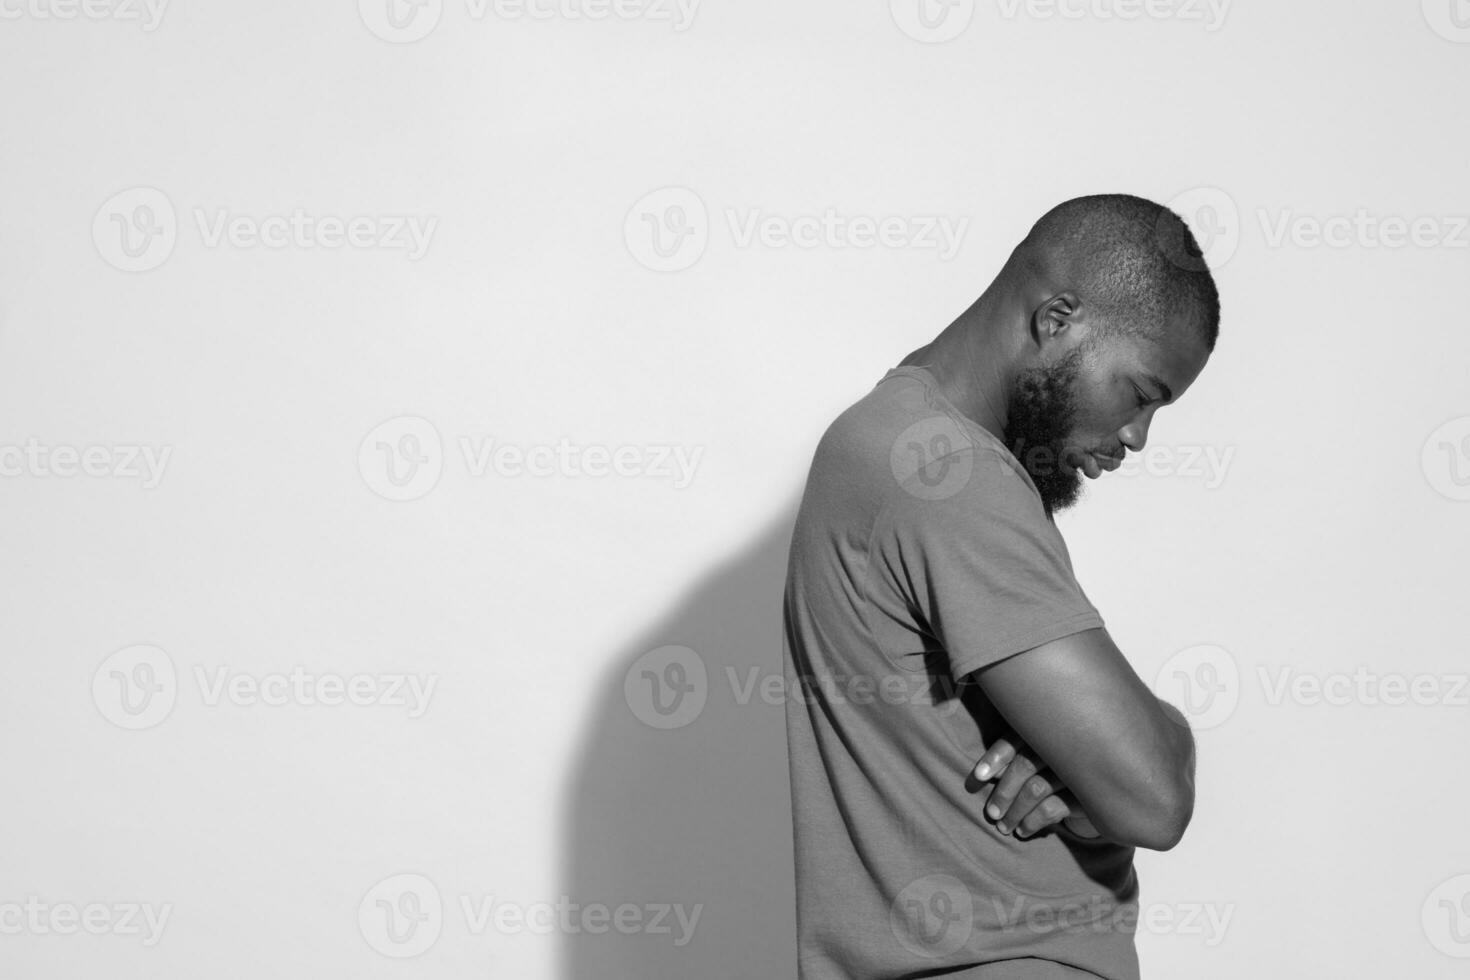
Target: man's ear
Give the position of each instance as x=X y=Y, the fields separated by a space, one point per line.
x=1053 y=318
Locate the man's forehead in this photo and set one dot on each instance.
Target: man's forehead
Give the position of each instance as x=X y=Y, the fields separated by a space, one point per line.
x=1169 y=362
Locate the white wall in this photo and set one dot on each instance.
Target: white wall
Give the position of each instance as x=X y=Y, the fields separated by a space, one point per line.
x=1328 y=837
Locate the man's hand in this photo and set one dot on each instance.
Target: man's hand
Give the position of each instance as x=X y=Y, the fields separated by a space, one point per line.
x=1027 y=797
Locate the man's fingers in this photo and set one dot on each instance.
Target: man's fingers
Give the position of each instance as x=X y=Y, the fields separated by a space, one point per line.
x=1029 y=794
x=995 y=760
x=1049 y=811
x=1077 y=820
x=1007 y=788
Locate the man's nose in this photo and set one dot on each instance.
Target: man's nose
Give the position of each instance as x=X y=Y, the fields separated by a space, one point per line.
x=1134 y=435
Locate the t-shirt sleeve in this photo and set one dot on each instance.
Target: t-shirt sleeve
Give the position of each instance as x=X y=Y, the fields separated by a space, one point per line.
x=980 y=564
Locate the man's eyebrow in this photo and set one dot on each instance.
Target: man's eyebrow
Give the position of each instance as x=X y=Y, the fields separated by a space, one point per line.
x=1157 y=382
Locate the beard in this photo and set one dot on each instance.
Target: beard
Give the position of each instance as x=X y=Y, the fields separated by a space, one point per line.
x=1040 y=410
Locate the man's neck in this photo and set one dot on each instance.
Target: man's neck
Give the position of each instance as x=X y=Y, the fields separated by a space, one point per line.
x=969 y=373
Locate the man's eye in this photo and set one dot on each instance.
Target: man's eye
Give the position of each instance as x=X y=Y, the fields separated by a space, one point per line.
x=1142 y=398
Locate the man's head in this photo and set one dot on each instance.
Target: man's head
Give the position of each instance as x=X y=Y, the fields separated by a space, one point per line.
x=1111 y=313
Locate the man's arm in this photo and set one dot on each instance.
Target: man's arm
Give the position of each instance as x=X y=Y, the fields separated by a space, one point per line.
x=1127 y=756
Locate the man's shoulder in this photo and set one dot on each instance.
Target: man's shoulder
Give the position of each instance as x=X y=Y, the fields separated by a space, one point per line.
x=916 y=447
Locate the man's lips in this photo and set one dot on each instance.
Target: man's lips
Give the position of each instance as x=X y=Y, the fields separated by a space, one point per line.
x=1107 y=462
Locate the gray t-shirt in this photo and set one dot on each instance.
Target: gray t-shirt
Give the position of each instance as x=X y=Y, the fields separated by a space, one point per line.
x=921 y=553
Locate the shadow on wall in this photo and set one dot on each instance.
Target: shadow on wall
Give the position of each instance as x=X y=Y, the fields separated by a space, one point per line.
x=693 y=818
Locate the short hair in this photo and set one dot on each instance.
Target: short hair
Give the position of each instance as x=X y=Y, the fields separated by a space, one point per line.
x=1134 y=261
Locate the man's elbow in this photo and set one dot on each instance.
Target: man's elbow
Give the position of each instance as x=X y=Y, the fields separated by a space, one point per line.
x=1161 y=825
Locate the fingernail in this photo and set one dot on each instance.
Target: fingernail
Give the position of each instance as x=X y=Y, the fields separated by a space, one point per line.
x=994 y=812
x=1001 y=827
x=984 y=771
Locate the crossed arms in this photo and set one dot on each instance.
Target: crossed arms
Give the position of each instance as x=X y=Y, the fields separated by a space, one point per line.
x=1093 y=748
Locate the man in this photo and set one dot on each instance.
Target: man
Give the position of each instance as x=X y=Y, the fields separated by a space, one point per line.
x=973 y=761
